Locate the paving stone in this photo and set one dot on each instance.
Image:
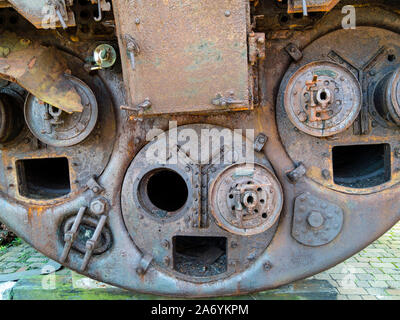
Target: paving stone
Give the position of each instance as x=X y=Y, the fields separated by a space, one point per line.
x=37 y=265
x=388 y=297
x=377 y=291
x=9 y=270
x=393 y=260
x=394 y=284
x=352 y=291
x=382 y=277
x=390 y=271
x=363 y=284
x=338 y=276
x=358 y=264
x=33 y=260
x=365 y=276
x=353 y=297
x=383 y=265
x=395 y=292
x=365 y=259
x=378 y=284
x=322 y=276
x=14 y=265
x=369 y=297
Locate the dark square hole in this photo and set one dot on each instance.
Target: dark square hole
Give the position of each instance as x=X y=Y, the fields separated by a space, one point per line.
x=43 y=178
x=200 y=256
x=361 y=166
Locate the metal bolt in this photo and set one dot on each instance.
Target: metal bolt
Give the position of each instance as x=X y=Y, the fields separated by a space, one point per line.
x=96 y=189
x=165 y=244
x=326 y=174
x=167 y=261
x=227 y=13
x=267 y=266
x=315 y=219
x=137 y=21
x=98 y=206
x=140 y=271
x=397 y=152
x=234 y=245
x=302 y=116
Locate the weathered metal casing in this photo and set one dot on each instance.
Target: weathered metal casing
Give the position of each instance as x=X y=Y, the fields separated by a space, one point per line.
x=188 y=57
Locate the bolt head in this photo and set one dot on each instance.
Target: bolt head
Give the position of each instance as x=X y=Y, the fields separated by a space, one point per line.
x=315 y=219
x=98 y=206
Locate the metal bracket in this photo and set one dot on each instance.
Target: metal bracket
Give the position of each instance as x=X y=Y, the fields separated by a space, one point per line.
x=294 y=52
x=260 y=142
x=91 y=243
x=93 y=185
x=256 y=47
x=297 y=173
x=144 y=264
x=139 y=109
x=222 y=101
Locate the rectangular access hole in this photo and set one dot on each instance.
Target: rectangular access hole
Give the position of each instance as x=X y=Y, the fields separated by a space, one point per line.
x=361 y=166
x=200 y=256
x=46 y=178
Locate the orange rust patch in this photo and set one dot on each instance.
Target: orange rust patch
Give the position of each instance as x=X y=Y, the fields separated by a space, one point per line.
x=32 y=63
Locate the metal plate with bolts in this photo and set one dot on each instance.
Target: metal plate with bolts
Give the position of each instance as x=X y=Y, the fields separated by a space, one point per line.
x=57 y=128
x=316 y=222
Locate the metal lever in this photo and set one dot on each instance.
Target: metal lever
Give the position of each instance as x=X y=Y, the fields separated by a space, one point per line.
x=100 y=12
x=70 y=236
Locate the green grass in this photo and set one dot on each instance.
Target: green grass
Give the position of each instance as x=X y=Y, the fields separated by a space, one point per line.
x=16 y=242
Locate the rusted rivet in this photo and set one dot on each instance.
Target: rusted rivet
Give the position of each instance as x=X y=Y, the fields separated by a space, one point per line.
x=137 y=21
x=167 y=261
x=165 y=244
x=326 y=174
x=267 y=266
x=397 y=152
x=140 y=271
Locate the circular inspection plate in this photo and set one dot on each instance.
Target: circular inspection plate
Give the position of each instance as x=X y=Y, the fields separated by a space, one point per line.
x=245 y=199
x=57 y=128
x=322 y=98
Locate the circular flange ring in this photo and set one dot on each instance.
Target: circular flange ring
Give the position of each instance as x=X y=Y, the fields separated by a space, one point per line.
x=322 y=98
x=393 y=96
x=246 y=200
x=60 y=129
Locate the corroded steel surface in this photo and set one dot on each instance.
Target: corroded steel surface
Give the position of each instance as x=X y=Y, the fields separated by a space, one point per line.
x=113 y=214
x=188 y=54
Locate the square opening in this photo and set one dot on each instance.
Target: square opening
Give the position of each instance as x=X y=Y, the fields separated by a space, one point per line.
x=200 y=256
x=46 y=178
x=361 y=166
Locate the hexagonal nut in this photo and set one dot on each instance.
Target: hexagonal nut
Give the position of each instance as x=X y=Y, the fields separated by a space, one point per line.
x=98 y=206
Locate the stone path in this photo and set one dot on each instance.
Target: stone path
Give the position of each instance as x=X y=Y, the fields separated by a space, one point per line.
x=372 y=274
